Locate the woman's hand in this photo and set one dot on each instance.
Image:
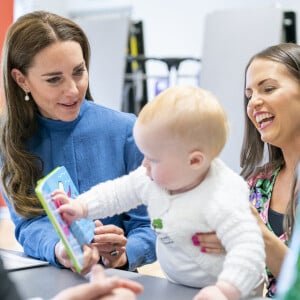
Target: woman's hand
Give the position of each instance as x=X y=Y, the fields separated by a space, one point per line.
x=208 y=243
x=263 y=228
x=111 y=244
x=275 y=249
x=102 y=288
x=90 y=257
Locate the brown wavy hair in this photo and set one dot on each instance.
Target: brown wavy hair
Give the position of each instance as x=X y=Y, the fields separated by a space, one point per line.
x=252 y=153
x=253 y=148
x=25 y=38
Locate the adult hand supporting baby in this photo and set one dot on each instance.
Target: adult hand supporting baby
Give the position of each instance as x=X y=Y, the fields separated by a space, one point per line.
x=208 y=242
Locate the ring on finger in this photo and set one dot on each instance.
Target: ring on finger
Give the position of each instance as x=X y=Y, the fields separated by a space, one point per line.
x=114 y=252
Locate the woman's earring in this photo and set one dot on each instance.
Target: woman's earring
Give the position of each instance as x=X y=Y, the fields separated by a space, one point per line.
x=26 y=98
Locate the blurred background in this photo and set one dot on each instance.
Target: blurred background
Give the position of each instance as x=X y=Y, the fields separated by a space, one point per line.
x=140 y=47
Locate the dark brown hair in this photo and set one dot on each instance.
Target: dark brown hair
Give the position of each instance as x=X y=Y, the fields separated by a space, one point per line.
x=25 y=38
x=252 y=153
x=253 y=148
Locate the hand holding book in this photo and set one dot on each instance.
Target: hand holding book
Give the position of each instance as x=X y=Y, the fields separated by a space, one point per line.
x=73 y=235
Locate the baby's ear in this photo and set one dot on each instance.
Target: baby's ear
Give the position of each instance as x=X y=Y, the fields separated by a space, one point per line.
x=196 y=159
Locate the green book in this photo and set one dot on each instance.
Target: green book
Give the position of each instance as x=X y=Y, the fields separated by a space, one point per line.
x=80 y=232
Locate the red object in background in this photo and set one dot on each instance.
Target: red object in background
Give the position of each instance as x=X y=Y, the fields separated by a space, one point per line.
x=2 y=203
x=6 y=18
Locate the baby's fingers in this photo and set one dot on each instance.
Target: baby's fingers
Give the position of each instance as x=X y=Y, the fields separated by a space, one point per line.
x=60 y=196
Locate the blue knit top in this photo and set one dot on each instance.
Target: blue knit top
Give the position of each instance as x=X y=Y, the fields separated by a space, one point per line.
x=97 y=146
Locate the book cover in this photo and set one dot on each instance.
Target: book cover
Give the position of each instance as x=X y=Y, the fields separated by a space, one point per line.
x=80 y=232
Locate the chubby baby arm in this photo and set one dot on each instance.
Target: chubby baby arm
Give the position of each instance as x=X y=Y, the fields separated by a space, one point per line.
x=69 y=210
x=221 y=291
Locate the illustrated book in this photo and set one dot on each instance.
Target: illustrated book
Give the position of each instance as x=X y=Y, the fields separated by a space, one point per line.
x=79 y=232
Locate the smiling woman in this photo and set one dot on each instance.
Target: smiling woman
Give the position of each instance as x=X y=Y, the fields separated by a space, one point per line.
x=269 y=88
x=50 y=120
x=270 y=150
x=271 y=147
x=56 y=82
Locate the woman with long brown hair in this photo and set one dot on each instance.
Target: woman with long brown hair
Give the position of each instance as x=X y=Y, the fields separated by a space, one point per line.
x=50 y=120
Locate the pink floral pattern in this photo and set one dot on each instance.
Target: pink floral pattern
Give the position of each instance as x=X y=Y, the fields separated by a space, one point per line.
x=261 y=187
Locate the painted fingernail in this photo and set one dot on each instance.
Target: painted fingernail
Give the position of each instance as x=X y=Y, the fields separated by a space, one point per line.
x=203 y=250
x=195 y=240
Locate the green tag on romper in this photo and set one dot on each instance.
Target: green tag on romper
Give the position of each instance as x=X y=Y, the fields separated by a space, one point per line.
x=157 y=224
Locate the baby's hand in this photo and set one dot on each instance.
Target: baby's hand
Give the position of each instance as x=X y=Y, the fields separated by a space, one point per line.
x=210 y=293
x=70 y=210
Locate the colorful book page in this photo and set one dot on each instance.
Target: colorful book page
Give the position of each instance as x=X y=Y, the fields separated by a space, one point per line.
x=80 y=232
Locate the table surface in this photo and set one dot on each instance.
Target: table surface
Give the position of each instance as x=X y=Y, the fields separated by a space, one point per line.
x=47 y=281
x=38 y=280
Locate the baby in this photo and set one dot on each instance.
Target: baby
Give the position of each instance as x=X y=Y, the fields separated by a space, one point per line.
x=187 y=189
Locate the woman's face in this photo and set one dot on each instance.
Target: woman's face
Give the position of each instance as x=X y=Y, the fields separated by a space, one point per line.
x=57 y=80
x=274 y=102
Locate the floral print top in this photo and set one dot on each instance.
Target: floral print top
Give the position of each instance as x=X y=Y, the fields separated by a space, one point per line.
x=261 y=187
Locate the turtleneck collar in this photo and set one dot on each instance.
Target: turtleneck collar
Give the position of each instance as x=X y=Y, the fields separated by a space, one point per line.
x=62 y=125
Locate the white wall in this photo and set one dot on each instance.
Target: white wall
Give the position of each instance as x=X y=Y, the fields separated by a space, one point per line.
x=172 y=27
x=176 y=27
x=231 y=39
